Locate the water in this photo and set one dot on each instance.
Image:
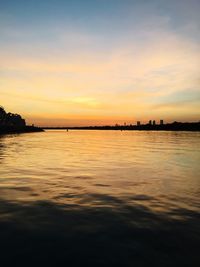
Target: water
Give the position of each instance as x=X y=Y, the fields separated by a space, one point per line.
x=100 y=198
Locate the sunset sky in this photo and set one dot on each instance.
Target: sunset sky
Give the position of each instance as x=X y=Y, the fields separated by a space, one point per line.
x=97 y=62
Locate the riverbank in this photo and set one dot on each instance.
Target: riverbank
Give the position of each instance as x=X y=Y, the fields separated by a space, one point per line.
x=26 y=129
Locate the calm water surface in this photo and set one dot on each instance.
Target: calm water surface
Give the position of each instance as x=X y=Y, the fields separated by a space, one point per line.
x=110 y=197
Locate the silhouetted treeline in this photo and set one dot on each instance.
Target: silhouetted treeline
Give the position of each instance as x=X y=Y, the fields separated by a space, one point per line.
x=175 y=126
x=14 y=123
x=10 y=119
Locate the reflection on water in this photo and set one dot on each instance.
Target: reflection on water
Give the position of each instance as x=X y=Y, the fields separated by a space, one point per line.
x=100 y=198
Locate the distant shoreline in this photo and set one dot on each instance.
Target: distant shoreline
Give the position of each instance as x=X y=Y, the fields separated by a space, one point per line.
x=175 y=126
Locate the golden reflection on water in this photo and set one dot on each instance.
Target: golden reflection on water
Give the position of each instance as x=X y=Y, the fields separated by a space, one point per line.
x=159 y=170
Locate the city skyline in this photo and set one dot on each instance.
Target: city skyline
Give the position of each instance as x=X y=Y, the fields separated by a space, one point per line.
x=100 y=62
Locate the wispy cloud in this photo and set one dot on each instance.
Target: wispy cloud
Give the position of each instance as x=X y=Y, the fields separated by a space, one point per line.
x=136 y=66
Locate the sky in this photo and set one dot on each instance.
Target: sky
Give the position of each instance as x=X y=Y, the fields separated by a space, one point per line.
x=100 y=62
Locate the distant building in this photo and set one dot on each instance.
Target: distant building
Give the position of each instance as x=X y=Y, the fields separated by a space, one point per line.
x=138 y=123
x=161 y=122
x=154 y=122
x=150 y=122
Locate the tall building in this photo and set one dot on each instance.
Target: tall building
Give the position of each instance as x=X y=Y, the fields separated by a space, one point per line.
x=150 y=122
x=154 y=122
x=138 y=123
x=161 y=122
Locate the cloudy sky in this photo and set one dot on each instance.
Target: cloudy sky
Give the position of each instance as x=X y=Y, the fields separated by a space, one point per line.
x=75 y=62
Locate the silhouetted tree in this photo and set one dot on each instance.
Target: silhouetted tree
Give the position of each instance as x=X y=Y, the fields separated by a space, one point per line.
x=10 y=119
